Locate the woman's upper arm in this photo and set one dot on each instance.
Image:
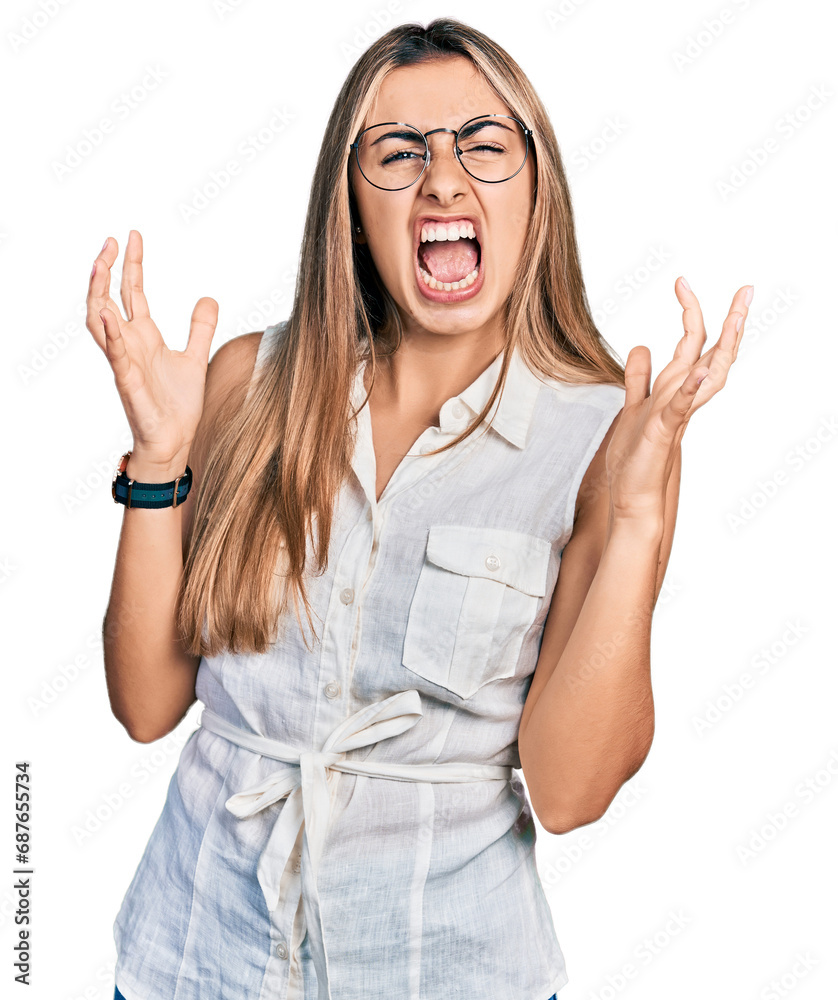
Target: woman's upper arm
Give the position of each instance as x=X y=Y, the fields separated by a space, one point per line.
x=228 y=377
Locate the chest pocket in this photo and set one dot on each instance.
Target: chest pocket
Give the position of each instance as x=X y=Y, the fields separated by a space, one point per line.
x=478 y=593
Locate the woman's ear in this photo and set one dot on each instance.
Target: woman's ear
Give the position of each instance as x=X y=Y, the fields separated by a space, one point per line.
x=357 y=229
x=355 y=220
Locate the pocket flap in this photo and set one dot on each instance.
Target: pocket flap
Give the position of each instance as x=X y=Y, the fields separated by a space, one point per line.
x=517 y=559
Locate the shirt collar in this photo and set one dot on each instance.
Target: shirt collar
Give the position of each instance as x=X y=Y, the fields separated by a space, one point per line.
x=511 y=413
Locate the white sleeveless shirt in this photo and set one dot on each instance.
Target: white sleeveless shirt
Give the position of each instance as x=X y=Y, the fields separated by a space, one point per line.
x=346 y=823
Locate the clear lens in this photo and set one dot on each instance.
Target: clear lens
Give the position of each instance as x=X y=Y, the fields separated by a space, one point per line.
x=491 y=149
x=391 y=156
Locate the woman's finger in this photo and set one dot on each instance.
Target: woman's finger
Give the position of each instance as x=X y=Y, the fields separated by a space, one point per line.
x=741 y=304
x=704 y=379
x=738 y=308
x=695 y=335
x=98 y=291
x=723 y=352
x=131 y=288
x=114 y=344
x=684 y=401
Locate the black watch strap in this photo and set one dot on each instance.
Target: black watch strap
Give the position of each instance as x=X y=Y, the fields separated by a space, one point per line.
x=151 y=495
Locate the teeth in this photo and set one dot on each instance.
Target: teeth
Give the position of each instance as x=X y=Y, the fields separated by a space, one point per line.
x=439 y=231
x=454 y=231
x=448 y=286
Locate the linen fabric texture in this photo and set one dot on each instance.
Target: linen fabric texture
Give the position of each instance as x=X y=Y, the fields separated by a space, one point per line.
x=348 y=821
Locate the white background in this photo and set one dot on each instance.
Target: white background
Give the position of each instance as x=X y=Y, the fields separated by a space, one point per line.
x=655 y=112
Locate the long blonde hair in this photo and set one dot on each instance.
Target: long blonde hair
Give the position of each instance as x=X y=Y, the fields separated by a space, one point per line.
x=279 y=461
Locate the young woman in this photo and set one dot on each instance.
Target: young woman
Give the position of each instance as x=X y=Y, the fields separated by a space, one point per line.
x=410 y=458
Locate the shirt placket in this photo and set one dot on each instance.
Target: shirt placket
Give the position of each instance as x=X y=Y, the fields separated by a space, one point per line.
x=359 y=555
x=283 y=974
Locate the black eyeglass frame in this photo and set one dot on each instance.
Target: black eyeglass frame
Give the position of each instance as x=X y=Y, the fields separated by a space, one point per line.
x=427 y=158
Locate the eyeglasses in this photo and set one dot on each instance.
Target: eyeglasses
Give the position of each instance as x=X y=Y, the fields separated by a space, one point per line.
x=490 y=148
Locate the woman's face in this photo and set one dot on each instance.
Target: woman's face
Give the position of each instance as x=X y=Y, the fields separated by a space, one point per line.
x=444 y=94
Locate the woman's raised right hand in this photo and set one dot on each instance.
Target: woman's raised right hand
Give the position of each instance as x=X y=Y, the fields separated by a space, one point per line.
x=162 y=391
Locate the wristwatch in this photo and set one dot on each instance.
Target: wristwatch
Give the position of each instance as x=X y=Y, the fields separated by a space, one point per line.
x=133 y=494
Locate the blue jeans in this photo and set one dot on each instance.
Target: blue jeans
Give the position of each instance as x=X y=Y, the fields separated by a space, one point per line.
x=118 y=996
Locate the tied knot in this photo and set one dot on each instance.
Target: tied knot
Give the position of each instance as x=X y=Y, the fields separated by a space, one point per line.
x=319 y=759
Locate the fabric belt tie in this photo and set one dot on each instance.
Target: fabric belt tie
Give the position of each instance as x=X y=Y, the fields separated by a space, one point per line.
x=305 y=786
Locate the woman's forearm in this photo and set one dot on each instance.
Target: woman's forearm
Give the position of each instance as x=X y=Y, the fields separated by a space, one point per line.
x=592 y=725
x=150 y=679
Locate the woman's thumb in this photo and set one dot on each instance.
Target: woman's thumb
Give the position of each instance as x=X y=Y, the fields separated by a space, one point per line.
x=202 y=327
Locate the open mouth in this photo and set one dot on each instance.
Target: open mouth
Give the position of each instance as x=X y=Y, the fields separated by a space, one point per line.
x=448 y=259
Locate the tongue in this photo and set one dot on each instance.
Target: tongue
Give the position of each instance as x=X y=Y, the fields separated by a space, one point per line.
x=448 y=260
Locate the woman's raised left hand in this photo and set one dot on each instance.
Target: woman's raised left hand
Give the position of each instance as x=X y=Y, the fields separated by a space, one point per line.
x=648 y=432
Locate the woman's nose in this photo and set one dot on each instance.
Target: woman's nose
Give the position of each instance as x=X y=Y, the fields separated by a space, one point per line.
x=444 y=170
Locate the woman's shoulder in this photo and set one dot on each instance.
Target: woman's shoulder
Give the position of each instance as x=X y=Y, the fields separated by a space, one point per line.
x=229 y=375
x=236 y=360
x=238 y=354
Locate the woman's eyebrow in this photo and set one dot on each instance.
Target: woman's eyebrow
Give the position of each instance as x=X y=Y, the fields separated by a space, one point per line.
x=394 y=134
x=484 y=123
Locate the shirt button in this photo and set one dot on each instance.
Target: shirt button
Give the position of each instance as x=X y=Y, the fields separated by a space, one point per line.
x=492 y=562
x=332 y=689
x=282 y=949
x=426 y=448
x=458 y=410
x=347 y=595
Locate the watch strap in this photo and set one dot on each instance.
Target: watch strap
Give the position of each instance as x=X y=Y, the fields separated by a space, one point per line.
x=132 y=493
